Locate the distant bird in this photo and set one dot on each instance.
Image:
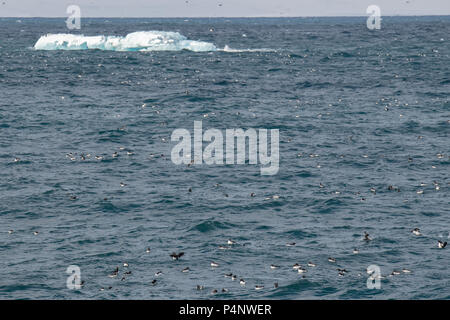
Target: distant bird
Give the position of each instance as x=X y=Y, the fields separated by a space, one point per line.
x=125 y=265
x=147 y=250
x=186 y=269
x=259 y=287
x=114 y=273
x=242 y=282
x=157 y=274
x=406 y=270
x=442 y=245
x=332 y=260
x=176 y=256
x=214 y=264
x=416 y=232
x=301 y=270
x=154 y=281
x=296 y=266
x=275 y=285
x=355 y=251
x=366 y=237
x=231 y=242
x=290 y=244
x=272 y=266
x=37 y=232
x=310 y=264
x=10 y=231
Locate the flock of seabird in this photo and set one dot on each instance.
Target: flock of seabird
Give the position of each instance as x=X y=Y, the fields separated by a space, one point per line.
x=299 y=268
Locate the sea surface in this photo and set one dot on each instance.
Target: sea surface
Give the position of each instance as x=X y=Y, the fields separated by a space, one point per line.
x=356 y=109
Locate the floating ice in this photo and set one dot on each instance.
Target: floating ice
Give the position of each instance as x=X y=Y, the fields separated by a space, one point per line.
x=136 y=41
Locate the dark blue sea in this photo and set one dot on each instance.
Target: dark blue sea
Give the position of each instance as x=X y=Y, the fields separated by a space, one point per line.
x=87 y=177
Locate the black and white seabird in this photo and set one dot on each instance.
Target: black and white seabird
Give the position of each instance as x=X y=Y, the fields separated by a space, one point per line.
x=242 y=282
x=332 y=260
x=157 y=274
x=290 y=244
x=272 y=266
x=259 y=287
x=416 y=232
x=114 y=273
x=186 y=269
x=176 y=256
x=442 y=245
x=310 y=264
x=214 y=264
x=366 y=236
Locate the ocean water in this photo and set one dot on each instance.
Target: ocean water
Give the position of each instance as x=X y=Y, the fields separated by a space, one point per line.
x=356 y=109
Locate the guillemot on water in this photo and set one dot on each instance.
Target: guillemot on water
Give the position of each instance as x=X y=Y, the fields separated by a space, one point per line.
x=442 y=245
x=176 y=256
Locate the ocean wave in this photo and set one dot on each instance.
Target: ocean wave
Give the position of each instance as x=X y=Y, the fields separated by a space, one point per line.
x=136 y=41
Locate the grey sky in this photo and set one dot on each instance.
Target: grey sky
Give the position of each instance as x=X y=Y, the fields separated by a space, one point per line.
x=220 y=8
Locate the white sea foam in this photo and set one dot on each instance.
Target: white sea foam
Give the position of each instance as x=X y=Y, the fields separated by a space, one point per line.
x=136 y=41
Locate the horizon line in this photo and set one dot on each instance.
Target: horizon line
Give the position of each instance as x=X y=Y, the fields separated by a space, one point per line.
x=226 y=17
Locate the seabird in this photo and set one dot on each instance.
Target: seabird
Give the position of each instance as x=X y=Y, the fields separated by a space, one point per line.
x=242 y=282
x=395 y=273
x=114 y=273
x=406 y=270
x=229 y=275
x=272 y=266
x=186 y=269
x=259 y=287
x=233 y=277
x=10 y=231
x=214 y=291
x=176 y=256
x=224 y=290
x=275 y=285
x=214 y=264
x=366 y=236
x=290 y=244
x=301 y=270
x=157 y=274
x=147 y=250
x=442 y=245
x=355 y=251
x=37 y=232
x=154 y=281
x=333 y=260
x=416 y=232
x=296 y=266
x=125 y=265
x=231 y=242
x=310 y=264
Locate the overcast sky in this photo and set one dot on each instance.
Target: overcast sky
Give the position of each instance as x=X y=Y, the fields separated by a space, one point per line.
x=220 y=8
